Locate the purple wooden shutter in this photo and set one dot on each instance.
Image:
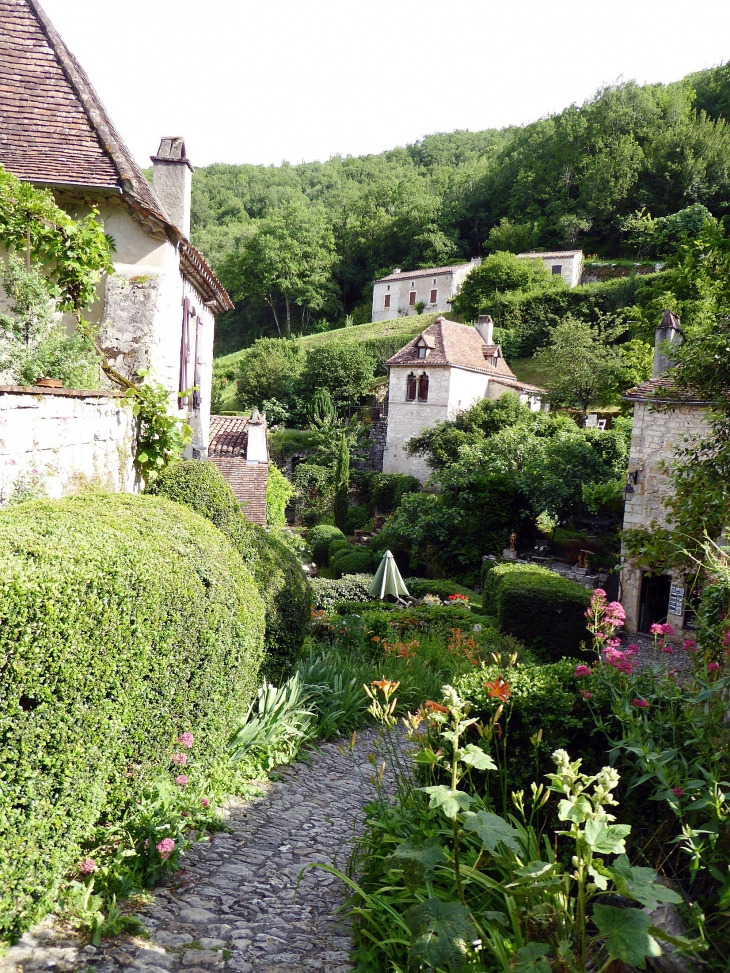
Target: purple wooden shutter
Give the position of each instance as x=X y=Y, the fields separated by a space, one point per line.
x=198 y=352
x=184 y=354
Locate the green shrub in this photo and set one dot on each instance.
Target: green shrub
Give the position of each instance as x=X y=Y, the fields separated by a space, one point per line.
x=538 y=607
x=388 y=489
x=275 y=567
x=279 y=492
x=541 y=697
x=326 y=592
x=355 y=563
x=337 y=545
x=319 y=539
x=357 y=518
x=124 y=621
x=442 y=588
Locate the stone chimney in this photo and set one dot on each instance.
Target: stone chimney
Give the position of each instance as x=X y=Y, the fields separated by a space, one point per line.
x=668 y=334
x=485 y=327
x=396 y=270
x=172 y=179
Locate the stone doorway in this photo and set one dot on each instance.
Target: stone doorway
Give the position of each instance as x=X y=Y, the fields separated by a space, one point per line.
x=654 y=602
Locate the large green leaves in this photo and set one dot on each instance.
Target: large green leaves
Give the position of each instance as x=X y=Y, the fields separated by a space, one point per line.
x=604 y=838
x=415 y=862
x=492 y=830
x=451 y=802
x=627 y=934
x=640 y=884
x=531 y=958
x=476 y=757
x=442 y=935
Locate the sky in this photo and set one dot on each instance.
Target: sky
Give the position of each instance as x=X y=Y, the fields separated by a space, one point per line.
x=303 y=80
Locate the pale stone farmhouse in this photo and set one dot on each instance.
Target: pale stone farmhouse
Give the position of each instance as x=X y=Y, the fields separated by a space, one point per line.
x=435 y=287
x=567 y=263
x=239 y=447
x=663 y=417
x=157 y=311
x=441 y=372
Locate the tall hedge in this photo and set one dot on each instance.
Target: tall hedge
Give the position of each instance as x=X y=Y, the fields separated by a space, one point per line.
x=276 y=569
x=124 y=621
x=538 y=607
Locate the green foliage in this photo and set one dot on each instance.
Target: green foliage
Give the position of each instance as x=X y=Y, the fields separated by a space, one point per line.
x=538 y=607
x=273 y=564
x=342 y=484
x=344 y=371
x=338 y=544
x=500 y=273
x=74 y=253
x=327 y=592
x=319 y=539
x=388 y=489
x=663 y=236
x=357 y=562
x=266 y=372
x=357 y=519
x=441 y=587
x=161 y=437
x=279 y=492
x=276 y=725
x=123 y=622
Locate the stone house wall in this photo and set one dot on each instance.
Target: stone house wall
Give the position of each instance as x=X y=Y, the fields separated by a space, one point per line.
x=447 y=283
x=407 y=419
x=656 y=434
x=61 y=441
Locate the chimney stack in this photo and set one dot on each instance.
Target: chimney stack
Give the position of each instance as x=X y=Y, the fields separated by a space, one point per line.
x=668 y=335
x=172 y=181
x=485 y=327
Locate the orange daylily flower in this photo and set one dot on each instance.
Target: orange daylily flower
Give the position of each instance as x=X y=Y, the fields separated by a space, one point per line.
x=385 y=684
x=436 y=707
x=498 y=689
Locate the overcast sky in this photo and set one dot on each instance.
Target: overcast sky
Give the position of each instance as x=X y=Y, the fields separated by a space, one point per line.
x=306 y=79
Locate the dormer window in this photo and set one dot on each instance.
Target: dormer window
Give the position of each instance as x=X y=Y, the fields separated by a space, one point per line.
x=422 y=347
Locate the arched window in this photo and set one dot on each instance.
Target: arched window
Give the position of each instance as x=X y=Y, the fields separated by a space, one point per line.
x=423 y=388
x=411 y=386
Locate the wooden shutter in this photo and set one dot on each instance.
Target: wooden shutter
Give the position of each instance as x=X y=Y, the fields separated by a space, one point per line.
x=411 y=385
x=434 y=295
x=412 y=298
x=184 y=354
x=423 y=388
x=198 y=362
x=386 y=303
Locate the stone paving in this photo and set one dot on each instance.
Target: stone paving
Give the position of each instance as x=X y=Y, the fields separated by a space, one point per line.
x=236 y=907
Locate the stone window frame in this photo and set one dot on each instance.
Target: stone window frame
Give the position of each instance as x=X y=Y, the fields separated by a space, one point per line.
x=411 y=387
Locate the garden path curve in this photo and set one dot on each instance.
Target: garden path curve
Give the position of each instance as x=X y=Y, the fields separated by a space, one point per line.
x=234 y=907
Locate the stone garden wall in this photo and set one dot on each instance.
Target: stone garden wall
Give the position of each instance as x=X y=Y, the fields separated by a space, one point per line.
x=61 y=441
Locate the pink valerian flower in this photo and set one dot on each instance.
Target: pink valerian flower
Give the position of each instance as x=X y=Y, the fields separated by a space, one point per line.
x=689 y=645
x=678 y=792
x=672 y=674
x=613 y=643
x=667 y=649
x=615 y=613
x=180 y=759
x=181 y=780
x=667 y=629
x=165 y=848
x=656 y=629
x=598 y=594
x=640 y=703
x=88 y=866
x=713 y=667
x=205 y=802
x=186 y=740
x=581 y=671
x=585 y=694
x=631 y=650
x=626 y=667
x=183 y=814
x=726 y=639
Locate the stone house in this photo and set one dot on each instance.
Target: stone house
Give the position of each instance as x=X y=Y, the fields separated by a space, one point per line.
x=158 y=310
x=239 y=447
x=567 y=263
x=439 y=373
x=399 y=293
x=663 y=417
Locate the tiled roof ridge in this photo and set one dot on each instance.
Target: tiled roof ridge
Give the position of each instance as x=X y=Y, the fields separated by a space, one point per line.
x=130 y=175
x=423 y=272
x=456 y=345
x=653 y=388
x=550 y=253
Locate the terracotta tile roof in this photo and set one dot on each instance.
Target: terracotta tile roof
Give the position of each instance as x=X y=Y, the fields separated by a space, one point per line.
x=454 y=344
x=517 y=385
x=248 y=482
x=228 y=436
x=661 y=389
x=424 y=272
x=551 y=254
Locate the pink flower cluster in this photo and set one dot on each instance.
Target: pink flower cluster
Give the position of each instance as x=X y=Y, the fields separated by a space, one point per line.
x=166 y=848
x=640 y=703
x=620 y=660
x=689 y=645
x=180 y=759
x=581 y=671
x=713 y=667
x=205 y=802
x=186 y=740
x=88 y=866
x=678 y=792
x=659 y=629
x=181 y=780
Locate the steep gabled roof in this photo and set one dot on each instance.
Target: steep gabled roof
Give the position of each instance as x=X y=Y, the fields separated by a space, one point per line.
x=455 y=344
x=662 y=389
x=228 y=436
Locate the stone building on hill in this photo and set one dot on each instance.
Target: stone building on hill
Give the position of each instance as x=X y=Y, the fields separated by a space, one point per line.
x=398 y=294
x=663 y=417
x=239 y=447
x=157 y=312
x=439 y=373
x=567 y=263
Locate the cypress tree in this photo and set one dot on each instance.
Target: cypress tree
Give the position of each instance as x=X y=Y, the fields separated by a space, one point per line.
x=342 y=481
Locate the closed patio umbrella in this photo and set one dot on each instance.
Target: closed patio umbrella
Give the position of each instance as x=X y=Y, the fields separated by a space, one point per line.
x=387 y=580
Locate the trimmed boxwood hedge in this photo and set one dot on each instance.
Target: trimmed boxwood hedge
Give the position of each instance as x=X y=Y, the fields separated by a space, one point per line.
x=124 y=621
x=319 y=539
x=276 y=569
x=538 y=607
x=338 y=544
x=356 y=562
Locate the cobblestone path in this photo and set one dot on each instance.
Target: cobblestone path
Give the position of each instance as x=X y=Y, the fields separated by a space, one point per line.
x=234 y=907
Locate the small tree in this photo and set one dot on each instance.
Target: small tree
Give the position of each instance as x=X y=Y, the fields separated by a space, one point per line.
x=583 y=363
x=342 y=483
x=498 y=273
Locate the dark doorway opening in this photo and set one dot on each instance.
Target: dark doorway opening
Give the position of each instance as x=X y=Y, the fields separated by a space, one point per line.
x=654 y=600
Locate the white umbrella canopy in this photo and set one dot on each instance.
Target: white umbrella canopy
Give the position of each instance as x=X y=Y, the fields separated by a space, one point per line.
x=388 y=580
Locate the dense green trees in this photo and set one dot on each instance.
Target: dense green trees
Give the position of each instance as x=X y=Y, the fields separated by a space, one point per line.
x=575 y=179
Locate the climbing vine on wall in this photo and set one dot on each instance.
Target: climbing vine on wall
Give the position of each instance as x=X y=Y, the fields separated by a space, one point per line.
x=161 y=437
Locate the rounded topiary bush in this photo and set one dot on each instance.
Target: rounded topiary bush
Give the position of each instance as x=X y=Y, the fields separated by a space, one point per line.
x=319 y=539
x=338 y=545
x=358 y=562
x=124 y=621
x=276 y=569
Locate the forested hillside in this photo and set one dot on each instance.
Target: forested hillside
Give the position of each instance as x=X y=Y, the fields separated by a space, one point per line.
x=298 y=246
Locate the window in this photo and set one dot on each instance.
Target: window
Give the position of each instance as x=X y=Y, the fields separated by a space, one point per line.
x=434 y=295
x=411 y=385
x=434 y=280
x=557 y=269
x=386 y=302
x=423 y=388
x=421 y=351
x=412 y=299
